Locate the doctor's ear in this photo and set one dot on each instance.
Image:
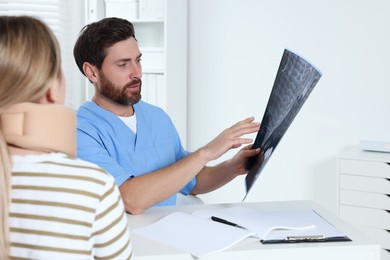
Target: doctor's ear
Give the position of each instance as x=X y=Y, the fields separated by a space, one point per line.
x=90 y=72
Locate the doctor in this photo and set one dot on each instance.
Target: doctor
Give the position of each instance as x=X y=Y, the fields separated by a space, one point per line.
x=135 y=141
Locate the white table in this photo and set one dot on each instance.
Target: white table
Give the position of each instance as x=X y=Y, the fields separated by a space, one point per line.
x=360 y=248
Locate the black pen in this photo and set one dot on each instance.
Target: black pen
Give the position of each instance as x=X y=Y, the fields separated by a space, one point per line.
x=224 y=221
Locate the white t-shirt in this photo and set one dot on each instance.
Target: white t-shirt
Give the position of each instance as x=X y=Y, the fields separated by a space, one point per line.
x=130 y=121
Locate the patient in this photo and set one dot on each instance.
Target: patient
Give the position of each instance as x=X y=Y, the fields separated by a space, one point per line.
x=53 y=206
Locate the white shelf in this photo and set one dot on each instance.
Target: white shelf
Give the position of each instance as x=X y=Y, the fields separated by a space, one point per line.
x=146 y=21
x=153 y=71
x=133 y=10
x=150 y=35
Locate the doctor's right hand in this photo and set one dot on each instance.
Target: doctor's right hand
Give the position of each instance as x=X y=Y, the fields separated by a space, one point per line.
x=230 y=138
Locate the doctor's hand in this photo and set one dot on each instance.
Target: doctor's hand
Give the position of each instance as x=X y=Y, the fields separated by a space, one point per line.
x=232 y=137
x=237 y=164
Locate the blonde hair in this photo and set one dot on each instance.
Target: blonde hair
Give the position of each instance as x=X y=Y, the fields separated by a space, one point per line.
x=29 y=61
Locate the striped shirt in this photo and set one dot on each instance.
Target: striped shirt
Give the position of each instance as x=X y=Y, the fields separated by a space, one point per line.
x=65 y=208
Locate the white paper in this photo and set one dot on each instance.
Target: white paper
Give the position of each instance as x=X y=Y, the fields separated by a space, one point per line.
x=321 y=228
x=263 y=222
x=193 y=234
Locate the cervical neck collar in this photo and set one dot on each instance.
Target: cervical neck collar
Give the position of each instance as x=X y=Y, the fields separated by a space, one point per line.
x=40 y=127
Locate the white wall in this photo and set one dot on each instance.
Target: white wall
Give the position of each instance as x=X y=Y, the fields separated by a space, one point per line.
x=75 y=83
x=234 y=51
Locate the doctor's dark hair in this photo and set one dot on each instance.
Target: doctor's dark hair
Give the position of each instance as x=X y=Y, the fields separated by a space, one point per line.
x=95 y=38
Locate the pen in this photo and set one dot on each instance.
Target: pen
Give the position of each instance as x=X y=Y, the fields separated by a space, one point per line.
x=224 y=221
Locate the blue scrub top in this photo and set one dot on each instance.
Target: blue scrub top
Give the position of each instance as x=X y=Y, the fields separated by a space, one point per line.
x=104 y=139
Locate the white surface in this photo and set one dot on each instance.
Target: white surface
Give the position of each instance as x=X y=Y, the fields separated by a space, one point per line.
x=361 y=248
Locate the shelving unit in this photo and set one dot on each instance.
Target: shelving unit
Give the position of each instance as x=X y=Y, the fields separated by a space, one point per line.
x=161 y=31
x=365 y=194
